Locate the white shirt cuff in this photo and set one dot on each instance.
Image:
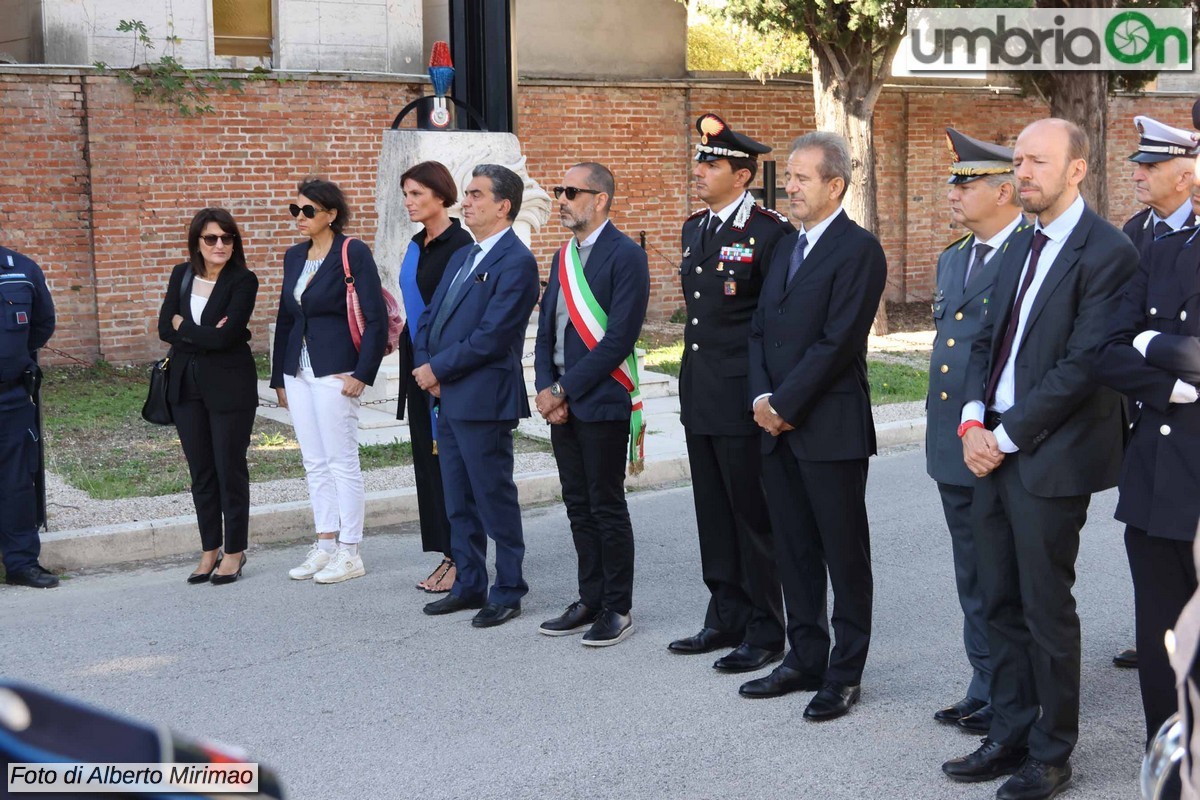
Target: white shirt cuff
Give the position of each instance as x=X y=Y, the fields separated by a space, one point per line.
x=1142 y=341
x=1003 y=442
x=760 y=397
x=972 y=410
x=1183 y=393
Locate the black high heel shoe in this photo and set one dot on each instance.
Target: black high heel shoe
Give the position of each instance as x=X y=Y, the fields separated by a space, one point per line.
x=218 y=579
x=203 y=577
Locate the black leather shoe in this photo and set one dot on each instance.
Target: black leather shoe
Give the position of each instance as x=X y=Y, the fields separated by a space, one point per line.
x=35 y=577
x=1036 y=780
x=987 y=763
x=963 y=708
x=1126 y=659
x=707 y=640
x=979 y=722
x=494 y=614
x=576 y=618
x=746 y=658
x=219 y=580
x=449 y=604
x=202 y=577
x=610 y=628
x=782 y=680
x=832 y=701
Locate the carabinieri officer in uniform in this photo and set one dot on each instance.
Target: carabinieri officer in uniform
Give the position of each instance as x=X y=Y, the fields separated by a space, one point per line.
x=26 y=323
x=726 y=247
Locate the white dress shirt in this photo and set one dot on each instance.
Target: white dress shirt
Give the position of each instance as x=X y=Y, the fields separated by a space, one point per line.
x=1056 y=233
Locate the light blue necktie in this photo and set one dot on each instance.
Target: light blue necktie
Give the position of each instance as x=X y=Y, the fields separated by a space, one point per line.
x=460 y=280
x=797 y=257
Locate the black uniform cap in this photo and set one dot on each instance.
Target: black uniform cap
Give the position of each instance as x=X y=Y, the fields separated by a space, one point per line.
x=974 y=159
x=718 y=140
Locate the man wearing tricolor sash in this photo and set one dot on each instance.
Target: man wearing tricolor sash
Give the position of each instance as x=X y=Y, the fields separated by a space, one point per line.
x=587 y=380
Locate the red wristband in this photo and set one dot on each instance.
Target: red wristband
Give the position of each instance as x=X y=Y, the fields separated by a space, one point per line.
x=966 y=426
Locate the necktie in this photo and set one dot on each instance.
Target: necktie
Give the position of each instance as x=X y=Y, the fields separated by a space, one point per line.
x=460 y=280
x=797 y=257
x=1162 y=228
x=1010 y=332
x=710 y=229
x=981 y=251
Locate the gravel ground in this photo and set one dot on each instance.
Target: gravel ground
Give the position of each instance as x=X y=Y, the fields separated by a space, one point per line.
x=71 y=509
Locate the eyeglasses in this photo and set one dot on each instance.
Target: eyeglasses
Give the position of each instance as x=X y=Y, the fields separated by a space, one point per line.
x=211 y=239
x=572 y=191
x=308 y=211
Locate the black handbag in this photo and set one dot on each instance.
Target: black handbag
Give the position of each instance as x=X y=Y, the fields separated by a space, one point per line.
x=157 y=409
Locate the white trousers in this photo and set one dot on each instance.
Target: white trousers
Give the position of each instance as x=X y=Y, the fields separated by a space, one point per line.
x=326 y=424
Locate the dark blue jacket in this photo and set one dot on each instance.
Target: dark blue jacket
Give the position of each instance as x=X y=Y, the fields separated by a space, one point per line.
x=477 y=359
x=321 y=316
x=619 y=279
x=26 y=313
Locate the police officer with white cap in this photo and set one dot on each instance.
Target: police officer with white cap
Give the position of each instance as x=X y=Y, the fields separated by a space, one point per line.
x=26 y=323
x=1152 y=356
x=1162 y=179
x=983 y=199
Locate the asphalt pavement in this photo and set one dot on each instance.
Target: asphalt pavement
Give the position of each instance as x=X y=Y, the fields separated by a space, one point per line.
x=349 y=691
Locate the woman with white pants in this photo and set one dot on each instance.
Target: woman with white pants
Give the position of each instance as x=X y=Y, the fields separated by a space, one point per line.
x=319 y=373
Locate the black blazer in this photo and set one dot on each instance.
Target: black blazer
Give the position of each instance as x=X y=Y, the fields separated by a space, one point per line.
x=1162 y=458
x=1068 y=427
x=321 y=317
x=808 y=343
x=223 y=366
x=619 y=278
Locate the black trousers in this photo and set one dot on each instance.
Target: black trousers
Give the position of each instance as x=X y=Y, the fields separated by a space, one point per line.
x=1027 y=547
x=1164 y=579
x=819 y=516
x=591 y=460
x=427 y=472
x=215 y=445
x=19 y=541
x=737 y=555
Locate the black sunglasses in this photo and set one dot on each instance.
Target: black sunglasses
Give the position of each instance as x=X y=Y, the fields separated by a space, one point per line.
x=572 y=192
x=309 y=211
x=211 y=239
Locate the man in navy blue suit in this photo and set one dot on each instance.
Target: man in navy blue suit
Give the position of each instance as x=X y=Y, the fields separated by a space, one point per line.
x=592 y=312
x=468 y=354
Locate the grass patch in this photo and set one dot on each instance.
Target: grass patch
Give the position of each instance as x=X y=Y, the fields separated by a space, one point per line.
x=664 y=358
x=896 y=383
x=97 y=440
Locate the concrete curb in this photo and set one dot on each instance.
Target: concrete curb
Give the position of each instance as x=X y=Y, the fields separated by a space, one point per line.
x=289 y=522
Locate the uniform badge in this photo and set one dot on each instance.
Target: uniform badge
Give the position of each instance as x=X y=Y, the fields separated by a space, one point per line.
x=23 y=317
x=687 y=251
x=720 y=266
x=740 y=253
x=730 y=288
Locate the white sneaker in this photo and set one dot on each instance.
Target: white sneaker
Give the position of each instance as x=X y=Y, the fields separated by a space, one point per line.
x=314 y=562
x=344 y=566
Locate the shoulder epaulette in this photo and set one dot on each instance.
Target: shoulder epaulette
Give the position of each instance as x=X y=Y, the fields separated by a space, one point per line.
x=1145 y=212
x=699 y=213
x=959 y=243
x=770 y=212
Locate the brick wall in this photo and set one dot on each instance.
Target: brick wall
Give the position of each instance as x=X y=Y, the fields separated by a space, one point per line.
x=99 y=187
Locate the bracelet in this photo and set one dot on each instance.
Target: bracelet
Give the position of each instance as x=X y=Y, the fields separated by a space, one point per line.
x=966 y=426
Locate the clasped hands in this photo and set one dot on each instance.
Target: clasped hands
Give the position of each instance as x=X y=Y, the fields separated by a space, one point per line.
x=427 y=380
x=981 y=451
x=768 y=420
x=553 y=409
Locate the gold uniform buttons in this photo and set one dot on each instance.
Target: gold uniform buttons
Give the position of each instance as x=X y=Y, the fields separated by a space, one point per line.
x=949 y=343
x=945 y=368
x=945 y=396
x=958 y=315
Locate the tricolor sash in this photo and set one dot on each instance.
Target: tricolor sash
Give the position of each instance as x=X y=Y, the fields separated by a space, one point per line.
x=591 y=322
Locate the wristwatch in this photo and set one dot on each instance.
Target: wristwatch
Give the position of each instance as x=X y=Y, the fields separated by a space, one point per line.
x=556 y=389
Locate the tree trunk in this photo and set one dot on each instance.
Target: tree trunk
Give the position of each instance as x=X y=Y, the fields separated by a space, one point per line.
x=844 y=102
x=1082 y=98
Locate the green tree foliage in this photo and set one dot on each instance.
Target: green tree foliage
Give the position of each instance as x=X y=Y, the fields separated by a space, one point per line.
x=719 y=43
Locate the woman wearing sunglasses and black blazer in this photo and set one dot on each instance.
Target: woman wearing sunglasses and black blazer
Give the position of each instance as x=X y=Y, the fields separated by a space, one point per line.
x=212 y=385
x=319 y=374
